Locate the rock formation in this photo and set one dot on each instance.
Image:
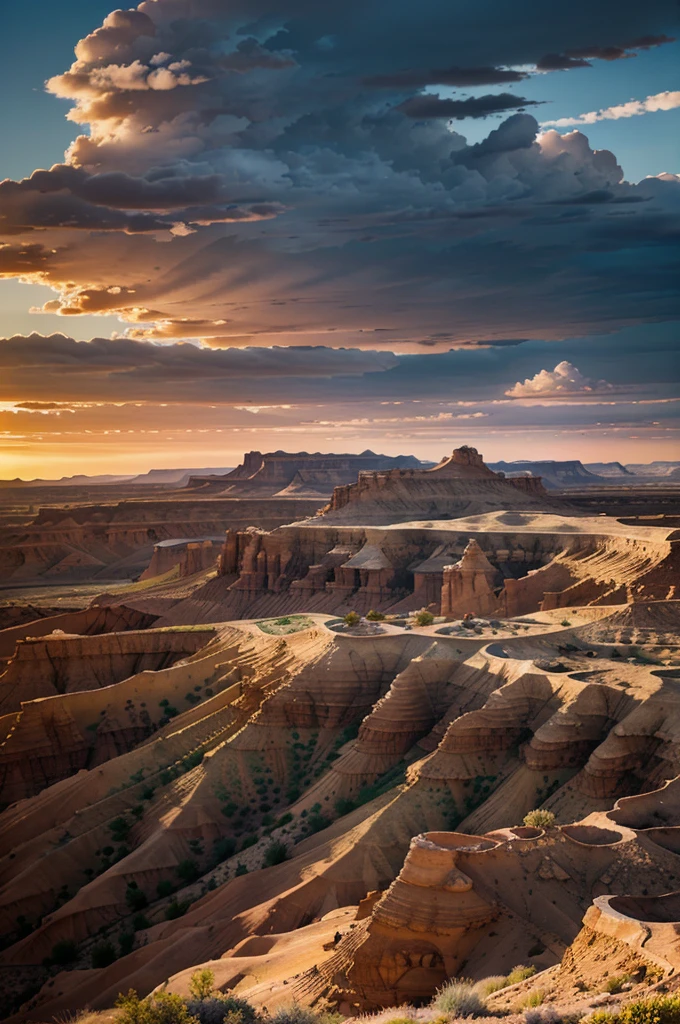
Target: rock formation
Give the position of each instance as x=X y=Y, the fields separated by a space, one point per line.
x=298 y=474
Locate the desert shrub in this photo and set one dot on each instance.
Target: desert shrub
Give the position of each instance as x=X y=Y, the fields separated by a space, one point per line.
x=135 y=898
x=520 y=973
x=460 y=999
x=545 y=1016
x=188 y=870
x=494 y=983
x=165 y=888
x=64 y=953
x=275 y=853
x=659 y=1010
x=534 y=998
x=202 y=983
x=223 y=849
x=161 y=1008
x=539 y=819
x=241 y=869
x=565 y=622
x=616 y=983
x=126 y=942
x=424 y=618
x=175 y=910
x=351 y=619
x=140 y=921
x=218 y=1009
x=104 y=954
x=294 y=1014
x=374 y=616
x=119 y=829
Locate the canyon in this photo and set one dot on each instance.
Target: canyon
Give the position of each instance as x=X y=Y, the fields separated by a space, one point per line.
x=300 y=752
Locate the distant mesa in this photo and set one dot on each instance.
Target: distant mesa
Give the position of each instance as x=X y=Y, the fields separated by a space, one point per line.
x=298 y=474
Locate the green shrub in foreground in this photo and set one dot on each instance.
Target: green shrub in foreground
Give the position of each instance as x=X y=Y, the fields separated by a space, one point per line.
x=161 y=1008
x=539 y=819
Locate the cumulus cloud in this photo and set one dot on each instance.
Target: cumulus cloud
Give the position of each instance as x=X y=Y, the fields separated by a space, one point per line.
x=564 y=381
x=633 y=108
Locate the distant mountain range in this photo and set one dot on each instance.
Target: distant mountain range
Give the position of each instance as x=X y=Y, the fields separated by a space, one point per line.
x=555 y=474
x=154 y=476
x=573 y=473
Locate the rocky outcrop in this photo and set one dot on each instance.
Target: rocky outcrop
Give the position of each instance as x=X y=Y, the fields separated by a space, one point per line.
x=529 y=561
x=459 y=485
x=189 y=555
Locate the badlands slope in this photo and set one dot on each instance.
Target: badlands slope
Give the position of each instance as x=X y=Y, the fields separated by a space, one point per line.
x=334 y=815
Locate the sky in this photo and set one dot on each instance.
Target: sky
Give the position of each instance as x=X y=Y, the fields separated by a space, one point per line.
x=403 y=226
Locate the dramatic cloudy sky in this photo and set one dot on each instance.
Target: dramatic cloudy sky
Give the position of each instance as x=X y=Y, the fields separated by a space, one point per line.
x=229 y=224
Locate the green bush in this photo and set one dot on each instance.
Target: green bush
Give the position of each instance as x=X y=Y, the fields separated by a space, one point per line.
x=126 y=942
x=275 y=853
x=241 y=869
x=520 y=973
x=161 y=1008
x=175 y=910
x=165 y=888
x=539 y=819
x=494 y=983
x=202 y=983
x=424 y=618
x=374 y=616
x=104 y=954
x=534 y=998
x=222 y=1009
x=188 y=870
x=352 y=619
x=460 y=999
x=64 y=952
x=135 y=898
x=616 y=983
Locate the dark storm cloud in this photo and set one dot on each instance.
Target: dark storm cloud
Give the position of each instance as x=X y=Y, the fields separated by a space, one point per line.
x=457 y=77
x=58 y=368
x=479 y=106
x=580 y=57
x=310 y=197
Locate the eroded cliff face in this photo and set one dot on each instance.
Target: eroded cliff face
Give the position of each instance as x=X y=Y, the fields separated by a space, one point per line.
x=343 y=749
x=117 y=541
x=460 y=485
x=516 y=563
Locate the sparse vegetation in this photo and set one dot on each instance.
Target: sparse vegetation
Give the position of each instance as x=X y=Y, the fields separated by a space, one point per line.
x=459 y=999
x=160 y=1008
x=374 y=616
x=275 y=853
x=539 y=819
x=616 y=983
x=63 y=953
x=658 y=1010
x=352 y=619
x=494 y=983
x=103 y=954
x=520 y=973
x=423 y=617
x=202 y=983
